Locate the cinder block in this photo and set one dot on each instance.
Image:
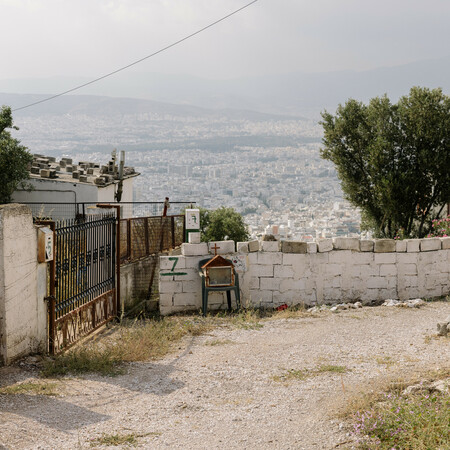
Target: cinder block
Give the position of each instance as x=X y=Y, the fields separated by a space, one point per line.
x=292 y=285
x=366 y=245
x=312 y=247
x=224 y=247
x=281 y=271
x=413 y=245
x=384 y=246
x=253 y=246
x=167 y=262
x=165 y=300
x=187 y=275
x=407 y=258
x=254 y=283
x=407 y=269
x=445 y=242
x=184 y=299
x=258 y=297
x=270 y=258
x=170 y=287
x=194 y=249
x=346 y=244
x=377 y=283
x=325 y=245
x=388 y=270
x=192 y=262
x=253 y=258
x=294 y=247
x=192 y=286
x=385 y=258
x=259 y=270
x=430 y=244
x=270 y=246
x=242 y=247
x=400 y=246
x=269 y=284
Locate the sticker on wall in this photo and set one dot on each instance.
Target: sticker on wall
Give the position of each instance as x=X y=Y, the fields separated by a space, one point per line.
x=240 y=263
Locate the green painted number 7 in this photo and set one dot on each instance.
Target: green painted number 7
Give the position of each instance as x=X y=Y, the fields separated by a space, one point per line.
x=175 y=262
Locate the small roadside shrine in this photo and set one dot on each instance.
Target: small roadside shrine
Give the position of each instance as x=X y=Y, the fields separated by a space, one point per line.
x=218 y=274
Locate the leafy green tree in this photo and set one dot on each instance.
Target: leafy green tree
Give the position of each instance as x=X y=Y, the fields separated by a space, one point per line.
x=393 y=160
x=223 y=223
x=14 y=158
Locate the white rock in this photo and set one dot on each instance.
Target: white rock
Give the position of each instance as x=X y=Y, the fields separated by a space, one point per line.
x=391 y=302
x=416 y=303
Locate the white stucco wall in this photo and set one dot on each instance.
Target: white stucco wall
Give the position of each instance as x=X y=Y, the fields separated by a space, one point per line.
x=23 y=311
x=309 y=273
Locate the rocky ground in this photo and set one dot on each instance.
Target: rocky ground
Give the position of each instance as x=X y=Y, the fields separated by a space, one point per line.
x=275 y=386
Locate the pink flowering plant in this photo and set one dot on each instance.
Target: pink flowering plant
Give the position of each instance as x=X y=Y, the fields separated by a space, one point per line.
x=416 y=421
x=440 y=227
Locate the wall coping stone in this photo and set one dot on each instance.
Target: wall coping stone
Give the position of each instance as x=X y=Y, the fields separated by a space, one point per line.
x=345 y=243
x=384 y=246
x=294 y=247
x=430 y=244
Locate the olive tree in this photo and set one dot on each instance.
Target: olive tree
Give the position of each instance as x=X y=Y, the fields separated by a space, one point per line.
x=393 y=160
x=14 y=158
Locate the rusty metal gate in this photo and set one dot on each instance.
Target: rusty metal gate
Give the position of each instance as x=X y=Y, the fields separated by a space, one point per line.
x=83 y=277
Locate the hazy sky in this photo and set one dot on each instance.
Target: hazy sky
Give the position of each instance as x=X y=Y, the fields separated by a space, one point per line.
x=42 y=38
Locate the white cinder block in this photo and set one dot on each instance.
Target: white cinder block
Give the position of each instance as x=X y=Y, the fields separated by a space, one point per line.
x=270 y=258
x=400 y=246
x=388 y=270
x=312 y=247
x=258 y=297
x=385 y=258
x=253 y=258
x=430 y=244
x=194 y=237
x=170 y=287
x=192 y=286
x=269 y=284
x=346 y=244
x=185 y=299
x=168 y=262
x=377 y=283
x=281 y=271
x=187 y=275
x=292 y=285
x=224 y=247
x=242 y=247
x=270 y=246
x=194 y=249
x=259 y=270
x=192 y=262
x=413 y=245
x=408 y=258
x=445 y=242
x=325 y=245
x=165 y=300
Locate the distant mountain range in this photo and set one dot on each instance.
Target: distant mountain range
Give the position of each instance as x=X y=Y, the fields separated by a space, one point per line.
x=290 y=94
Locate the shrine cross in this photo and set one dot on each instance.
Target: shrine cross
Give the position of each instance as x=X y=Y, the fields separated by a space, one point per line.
x=215 y=248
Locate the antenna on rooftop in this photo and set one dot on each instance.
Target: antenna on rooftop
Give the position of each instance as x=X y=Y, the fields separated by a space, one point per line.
x=118 y=194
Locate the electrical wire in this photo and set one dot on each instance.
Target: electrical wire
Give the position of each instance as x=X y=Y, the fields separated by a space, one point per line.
x=138 y=61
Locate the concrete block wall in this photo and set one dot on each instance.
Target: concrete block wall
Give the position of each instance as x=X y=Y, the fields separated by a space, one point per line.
x=23 y=286
x=329 y=271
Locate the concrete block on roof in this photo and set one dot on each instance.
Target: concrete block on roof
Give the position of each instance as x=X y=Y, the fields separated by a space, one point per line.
x=341 y=243
x=270 y=246
x=312 y=247
x=325 y=245
x=253 y=246
x=384 y=246
x=99 y=181
x=35 y=170
x=400 y=246
x=413 y=245
x=294 y=247
x=45 y=173
x=242 y=247
x=224 y=247
x=75 y=174
x=366 y=245
x=194 y=249
x=69 y=169
x=430 y=244
x=445 y=243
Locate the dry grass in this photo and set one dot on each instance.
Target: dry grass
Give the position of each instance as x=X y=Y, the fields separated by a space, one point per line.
x=32 y=388
x=302 y=374
x=115 y=440
x=214 y=342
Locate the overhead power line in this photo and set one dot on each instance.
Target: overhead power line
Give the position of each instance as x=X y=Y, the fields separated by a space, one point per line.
x=139 y=60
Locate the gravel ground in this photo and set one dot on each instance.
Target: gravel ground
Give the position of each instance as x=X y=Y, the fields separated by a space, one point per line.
x=221 y=390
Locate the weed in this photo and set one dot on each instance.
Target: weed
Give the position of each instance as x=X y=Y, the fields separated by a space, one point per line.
x=115 y=440
x=406 y=422
x=34 y=388
x=215 y=342
x=293 y=374
x=388 y=361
